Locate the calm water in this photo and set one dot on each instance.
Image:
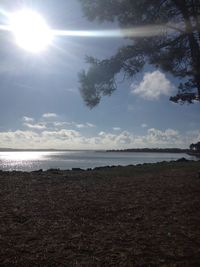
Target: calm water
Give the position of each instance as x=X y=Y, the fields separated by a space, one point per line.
x=29 y=161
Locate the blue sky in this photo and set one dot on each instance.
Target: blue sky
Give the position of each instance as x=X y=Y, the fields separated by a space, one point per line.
x=40 y=103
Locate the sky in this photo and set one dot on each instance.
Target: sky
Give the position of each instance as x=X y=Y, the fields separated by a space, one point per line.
x=40 y=102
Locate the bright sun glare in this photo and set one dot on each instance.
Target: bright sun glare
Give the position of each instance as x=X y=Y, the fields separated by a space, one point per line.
x=33 y=34
x=30 y=30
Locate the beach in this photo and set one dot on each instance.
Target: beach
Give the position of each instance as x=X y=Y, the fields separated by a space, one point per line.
x=144 y=215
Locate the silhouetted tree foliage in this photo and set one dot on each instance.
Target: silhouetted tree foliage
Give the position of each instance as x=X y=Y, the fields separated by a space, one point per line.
x=176 y=50
x=195 y=147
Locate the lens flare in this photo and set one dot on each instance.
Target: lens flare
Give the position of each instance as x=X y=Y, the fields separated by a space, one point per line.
x=145 y=31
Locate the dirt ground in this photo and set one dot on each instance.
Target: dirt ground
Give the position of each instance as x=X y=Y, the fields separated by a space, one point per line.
x=146 y=215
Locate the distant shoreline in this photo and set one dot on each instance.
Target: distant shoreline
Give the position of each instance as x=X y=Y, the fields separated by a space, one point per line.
x=152 y=150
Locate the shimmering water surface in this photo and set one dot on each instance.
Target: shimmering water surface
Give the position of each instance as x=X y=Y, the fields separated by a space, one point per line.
x=34 y=160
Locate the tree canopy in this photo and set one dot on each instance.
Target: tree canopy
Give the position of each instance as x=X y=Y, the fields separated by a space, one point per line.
x=195 y=147
x=171 y=43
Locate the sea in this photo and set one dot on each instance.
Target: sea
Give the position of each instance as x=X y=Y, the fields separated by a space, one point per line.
x=66 y=160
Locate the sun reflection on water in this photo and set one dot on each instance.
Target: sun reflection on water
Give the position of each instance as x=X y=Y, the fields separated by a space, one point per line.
x=23 y=160
x=23 y=155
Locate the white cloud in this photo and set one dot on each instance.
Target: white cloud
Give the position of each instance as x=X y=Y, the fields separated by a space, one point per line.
x=27 y=119
x=102 y=133
x=91 y=125
x=144 y=125
x=61 y=123
x=153 y=85
x=68 y=135
x=125 y=138
x=54 y=122
x=80 y=125
x=168 y=137
x=62 y=134
x=72 y=139
x=116 y=128
x=18 y=139
x=49 y=115
x=38 y=126
x=84 y=125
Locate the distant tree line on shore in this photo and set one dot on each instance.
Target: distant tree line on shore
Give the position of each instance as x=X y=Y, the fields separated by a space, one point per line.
x=159 y=150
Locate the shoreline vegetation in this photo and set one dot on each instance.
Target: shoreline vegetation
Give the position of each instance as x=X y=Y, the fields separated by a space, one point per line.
x=144 y=215
x=152 y=150
x=159 y=150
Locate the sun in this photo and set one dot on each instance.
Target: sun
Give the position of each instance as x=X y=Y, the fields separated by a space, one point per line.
x=30 y=30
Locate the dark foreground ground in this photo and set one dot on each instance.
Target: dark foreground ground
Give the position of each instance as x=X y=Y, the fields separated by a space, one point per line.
x=147 y=215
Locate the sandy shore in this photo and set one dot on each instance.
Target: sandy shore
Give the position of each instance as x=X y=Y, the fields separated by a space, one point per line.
x=146 y=215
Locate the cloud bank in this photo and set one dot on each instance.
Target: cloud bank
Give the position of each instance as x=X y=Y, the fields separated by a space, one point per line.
x=60 y=134
x=74 y=139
